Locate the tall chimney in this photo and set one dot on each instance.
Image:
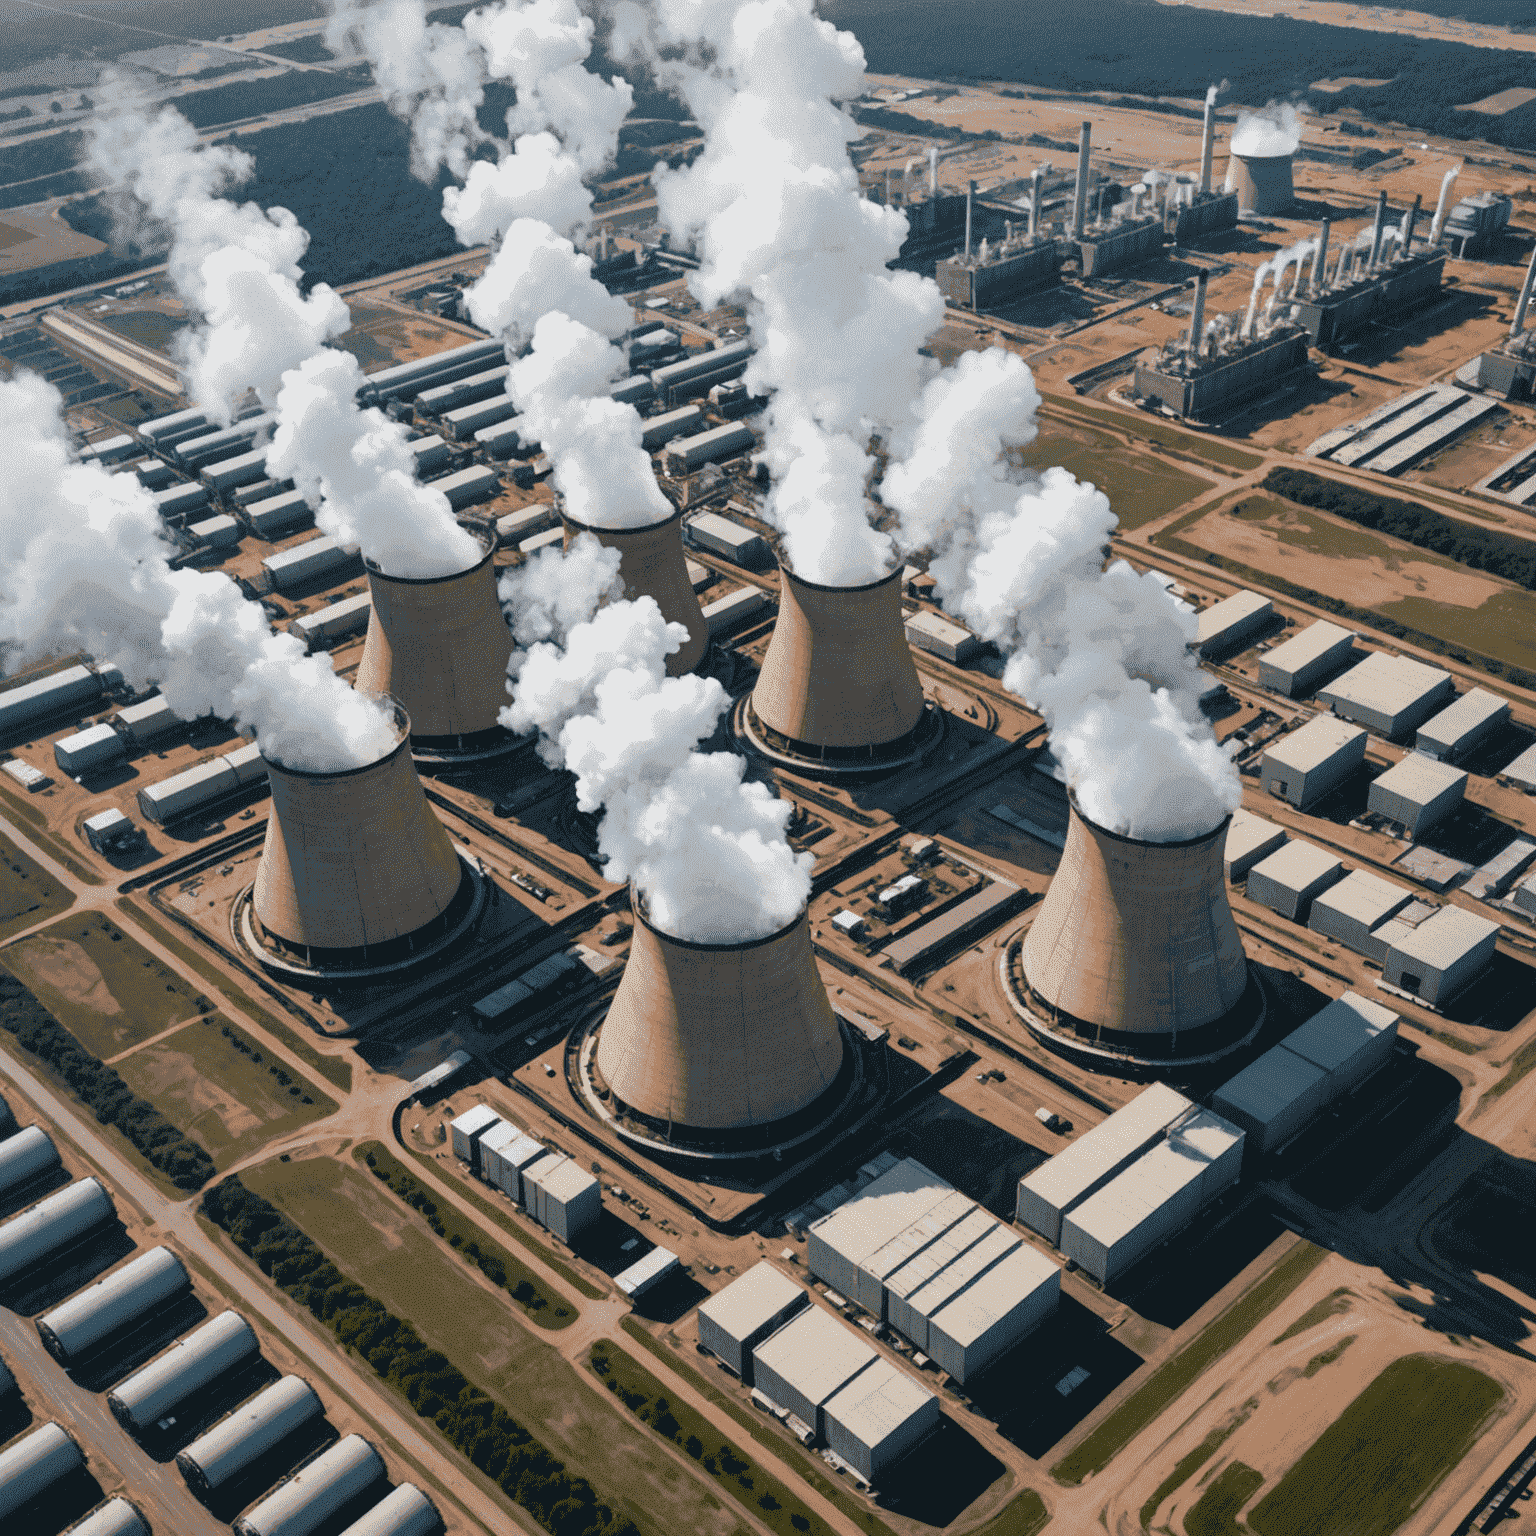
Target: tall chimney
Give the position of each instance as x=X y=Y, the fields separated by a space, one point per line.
x=1409 y=222
x=933 y=170
x=1207 y=143
x=1080 y=197
x=1197 y=314
x=605 y=242
x=1319 y=258
x=1446 y=182
x=1518 y=324
x=887 y=186
x=357 y=874
x=440 y=645
x=1135 y=950
x=1376 y=230
x=838 y=689
x=719 y=1038
x=970 y=195
x=652 y=564
x=1036 y=181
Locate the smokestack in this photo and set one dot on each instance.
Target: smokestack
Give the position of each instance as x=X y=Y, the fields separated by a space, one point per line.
x=1446 y=182
x=357 y=874
x=440 y=645
x=1080 y=198
x=933 y=170
x=838 y=688
x=1036 y=181
x=1518 y=323
x=652 y=564
x=1376 y=229
x=1135 y=950
x=1409 y=224
x=1207 y=142
x=970 y=194
x=1197 y=314
x=712 y=1038
x=887 y=186
x=1319 y=257
x=604 y=248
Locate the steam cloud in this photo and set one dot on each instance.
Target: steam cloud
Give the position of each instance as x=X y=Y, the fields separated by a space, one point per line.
x=83 y=564
x=1274 y=129
x=1101 y=652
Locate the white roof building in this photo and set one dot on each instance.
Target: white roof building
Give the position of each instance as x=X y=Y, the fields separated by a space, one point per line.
x=1390 y=695
x=1234 y=618
x=750 y=1308
x=840 y=1242
x=1288 y=880
x=1293 y=667
x=1307 y=764
x=878 y=1417
x=994 y=1312
x=1249 y=839
x=1441 y=956
x=809 y=1360
x=1462 y=726
x=1417 y=793
x=1351 y=910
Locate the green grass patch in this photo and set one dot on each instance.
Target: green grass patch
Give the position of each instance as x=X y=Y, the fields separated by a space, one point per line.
x=574 y=1278
x=1166 y=1383
x=215 y=1081
x=1186 y=1466
x=28 y=893
x=1328 y=1356
x=1215 y=1514
x=20 y=805
x=1331 y=1305
x=734 y=1472
x=468 y=1240
x=1154 y=431
x=1023 y=1516
x=1518 y=1067
x=1140 y=487
x=336 y=1070
x=104 y=987
x=1380 y=1459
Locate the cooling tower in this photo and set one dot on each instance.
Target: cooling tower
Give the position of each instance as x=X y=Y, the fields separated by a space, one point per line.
x=1262 y=183
x=440 y=645
x=357 y=874
x=705 y=1039
x=651 y=564
x=838 y=690
x=1135 y=950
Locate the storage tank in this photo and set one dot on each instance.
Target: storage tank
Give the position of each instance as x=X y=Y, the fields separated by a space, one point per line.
x=440 y=645
x=33 y=1236
x=30 y=1467
x=25 y=1156
x=652 y=564
x=1262 y=183
x=713 y=1038
x=121 y=1300
x=316 y=1492
x=838 y=687
x=357 y=872
x=1135 y=950
x=198 y=1361
x=405 y=1512
x=117 y=1517
x=247 y=1434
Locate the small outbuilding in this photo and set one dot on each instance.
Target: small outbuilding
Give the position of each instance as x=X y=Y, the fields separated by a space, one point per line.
x=878 y=1417
x=1353 y=909
x=1442 y=956
x=1297 y=665
x=1463 y=726
x=1305 y=765
x=1417 y=793
x=1288 y=880
x=1234 y=619
x=754 y=1305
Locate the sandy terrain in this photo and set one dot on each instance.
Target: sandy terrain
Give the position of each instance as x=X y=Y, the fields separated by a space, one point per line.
x=30 y=238
x=1408 y=23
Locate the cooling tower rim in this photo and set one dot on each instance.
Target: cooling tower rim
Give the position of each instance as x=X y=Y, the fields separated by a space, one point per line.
x=720 y=947
x=1146 y=842
x=486 y=542
x=1237 y=154
x=402 y=726
x=599 y=528
x=824 y=586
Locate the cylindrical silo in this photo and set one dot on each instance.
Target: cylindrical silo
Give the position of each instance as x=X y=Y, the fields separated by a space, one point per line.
x=196 y=1362
x=30 y=1238
x=405 y=1512
x=652 y=564
x=117 y=1517
x=440 y=645
x=838 y=686
x=30 y=1467
x=357 y=872
x=248 y=1433
x=314 y=1493
x=1262 y=183
x=78 y=1325
x=719 y=1037
x=24 y=1156
x=1135 y=950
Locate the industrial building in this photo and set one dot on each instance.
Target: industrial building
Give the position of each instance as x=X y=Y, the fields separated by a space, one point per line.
x=1418 y=793
x=194 y=790
x=51 y=1226
x=24 y=1156
x=293 y=568
x=146 y=723
x=1112 y=247
x=204 y=1358
x=248 y=1433
x=33 y=1465
x=989 y=1316
x=468 y=1130
x=1224 y=624
x=1287 y=881
x=318 y=1490
x=177 y=503
x=725 y=537
x=1304 y=766
x=276 y=516
x=94 y=1316
x=1297 y=665
x=1205 y=386
x=1462 y=727
x=1405 y=430
x=941 y=637
x=334 y=622
x=562 y=1196
x=1440 y=956
x=1476 y=222
x=117 y=1517
x=878 y=1418
x=1520 y=771
x=228 y=474
x=734 y=1321
x=698 y=373
x=646 y=1274
x=465 y=421
x=1334 y=314
x=1494 y=878
x=1355 y=908
x=193 y=453
x=405 y=1512
x=1391 y=695
x=93 y=750
x=28 y=704
x=1262 y=182
x=807 y=1361
x=1207 y=213
x=1249 y=839
x=471 y=388
x=683 y=455
x=991 y=275
x=726 y=613
x=408 y=381
x=657 y=431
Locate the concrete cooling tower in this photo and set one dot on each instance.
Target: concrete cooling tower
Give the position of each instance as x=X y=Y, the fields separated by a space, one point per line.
x=838 y=692
x=1262 y=183
x=357 y=877
x=652 y=564
x=1134 y=956
x=440 y=645
x=721 y=1044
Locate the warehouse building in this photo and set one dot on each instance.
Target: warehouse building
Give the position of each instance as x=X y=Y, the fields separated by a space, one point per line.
x=107 y=830
x=317 y=1491
x=807 y=1362
x=1418 y=793
x=1305 y=766
x=994 y=1312
x=875 y=1270
x=1520 y=771
x=1493 y=879
x=466 y=487
x=1237 y=618
x=176 y=503
x=754 y=1305
x=942 y=637
x=683 y=455
x=466 y=1131
x=333 y=622
x=193 y=453
x=24 y=1155
x=275 y=516
x=229 y=474
x=725 y=613
x=35 y=1464
x=205 y=1358
x=466 y=391
x=408 y=381
x=1288 y=880
x=1060 y=1184
x=51 y=1226
x=658 y=431
x=192 y=792
x=878 y=1418
x=505 y=1154
x=405 y=1512
x=109 y=1308
x=1349 y=1040
x=1463 y=726
x=243 y=1437
x=292 y=568
x=841 y=1241
x=1299 y=664
x=921 y=1290
x=117 y=1517
x=93 y=750
x=29 y=703
x=1355 y=908
x=647 y=1273
x=1391 y=695
x=562 y=1196
x=148 y=722
x=1207 y=387
x=701 y=365
x=1441 y=956
x=217 y=532
x=1249 y=839
x=725 y=537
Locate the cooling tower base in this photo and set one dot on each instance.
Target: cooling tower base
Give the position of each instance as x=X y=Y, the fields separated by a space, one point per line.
x=821 y=762
x=324 y=968
x=437 y=754
x=1126 y=1053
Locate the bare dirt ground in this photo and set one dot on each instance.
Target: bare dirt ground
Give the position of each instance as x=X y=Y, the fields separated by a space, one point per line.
x=31 y=238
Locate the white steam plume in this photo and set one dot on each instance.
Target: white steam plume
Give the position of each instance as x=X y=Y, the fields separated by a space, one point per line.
x=775 y=205
x=548 y=595
x=83 y=564
x=1275 y=129
x=1101 y=652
